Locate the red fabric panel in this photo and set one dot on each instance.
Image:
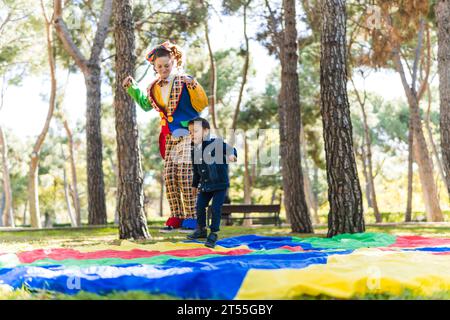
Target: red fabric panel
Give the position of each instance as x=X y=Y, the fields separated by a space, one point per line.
x=62 y=254
x=418 y=241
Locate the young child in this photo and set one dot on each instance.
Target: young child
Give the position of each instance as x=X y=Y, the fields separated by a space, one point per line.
x=178 y=98
x=210 y=159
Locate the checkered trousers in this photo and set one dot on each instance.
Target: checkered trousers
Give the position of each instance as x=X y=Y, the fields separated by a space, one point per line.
x=178 y=177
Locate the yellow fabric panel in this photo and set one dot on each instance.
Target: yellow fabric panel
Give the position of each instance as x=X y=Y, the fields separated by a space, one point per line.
x=344 y=276
x=124 y=245
x=199 y=99
x=159 y=246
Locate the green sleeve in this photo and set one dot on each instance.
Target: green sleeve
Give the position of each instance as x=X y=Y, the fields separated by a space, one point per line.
x=139 y=96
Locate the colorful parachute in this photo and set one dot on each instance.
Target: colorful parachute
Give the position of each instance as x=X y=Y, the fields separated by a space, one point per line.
x=244 y=267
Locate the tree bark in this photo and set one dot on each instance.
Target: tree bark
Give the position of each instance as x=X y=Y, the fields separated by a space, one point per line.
x=408 y=212
x=25 y=213
x=247 y=182
x=132 y=222
x=442 y=11
x=309 y=196
x=72 y=217
x=290 y=120
x=74 y=190
x=420 y=149
x=33 y=197
x=344 y=191
x=96 y=187
x=366 y=176
x=432 y=143
x=116 y=178
x=213 y=80
x=368 y=147
x=244 y=74
x=2 y=207
x=8 y=210
x=92 y=74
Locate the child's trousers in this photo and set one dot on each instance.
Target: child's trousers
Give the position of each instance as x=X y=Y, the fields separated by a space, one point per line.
x=203 y=199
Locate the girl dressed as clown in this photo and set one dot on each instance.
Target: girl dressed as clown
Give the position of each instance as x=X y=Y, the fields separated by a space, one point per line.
x=177 y=98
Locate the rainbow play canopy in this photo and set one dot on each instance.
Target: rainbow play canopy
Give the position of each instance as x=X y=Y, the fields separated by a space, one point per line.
x=244 y=267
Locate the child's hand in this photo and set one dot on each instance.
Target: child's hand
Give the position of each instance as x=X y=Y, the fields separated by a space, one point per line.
x=127 y=82
x=232 y=158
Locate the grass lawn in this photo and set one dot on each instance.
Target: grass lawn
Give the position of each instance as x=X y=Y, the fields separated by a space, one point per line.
x=12 y=241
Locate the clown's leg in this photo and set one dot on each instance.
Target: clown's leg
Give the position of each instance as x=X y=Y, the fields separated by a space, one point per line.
x=171 y=181
x=185 y=176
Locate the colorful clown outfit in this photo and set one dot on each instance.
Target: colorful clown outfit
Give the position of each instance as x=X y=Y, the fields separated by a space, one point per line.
x=177 y=101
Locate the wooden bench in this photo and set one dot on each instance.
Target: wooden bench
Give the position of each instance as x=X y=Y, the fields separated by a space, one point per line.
x=272 y=212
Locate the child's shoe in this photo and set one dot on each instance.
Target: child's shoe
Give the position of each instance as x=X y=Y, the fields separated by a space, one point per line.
x=211 y=240
x=199 y=233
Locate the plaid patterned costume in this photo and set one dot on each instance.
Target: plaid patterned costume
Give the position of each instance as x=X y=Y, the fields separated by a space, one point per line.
x=176 y=151
x=178 y=176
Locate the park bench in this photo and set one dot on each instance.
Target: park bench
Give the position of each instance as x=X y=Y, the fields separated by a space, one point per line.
x=271 y=213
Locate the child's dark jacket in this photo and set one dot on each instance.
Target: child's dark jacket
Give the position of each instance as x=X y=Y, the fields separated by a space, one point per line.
x=210 y=165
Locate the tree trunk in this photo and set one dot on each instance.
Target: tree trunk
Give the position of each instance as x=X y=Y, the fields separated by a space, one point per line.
x=2 y=207
x=213 y=80
x=442 y=11
x=8 y=213
x=91 y=71
x=408 y=212
x=116 y=175
x=33 y=197
x=366 y=177
x=368 y=148
x=96 y=187
x=25 y=213
x=244 y=75
x=74 y=190
x=247 y=183
x=420 y=149
x=290 y=120
x=73 y=220
x=344 y=191
x=432 y=143
x=309 y=196
x=132 y=222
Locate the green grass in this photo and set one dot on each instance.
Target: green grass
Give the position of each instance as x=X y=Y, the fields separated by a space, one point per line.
x=14 y=240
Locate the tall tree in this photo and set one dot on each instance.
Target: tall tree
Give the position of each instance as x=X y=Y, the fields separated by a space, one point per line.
x=33 y=197
x=130 y=197
x=8 y=213
x=420 y=149
x=290 y=121
x=7 y=207
x=442 y=11
x=394 y=45
x=213 y=71
x=344 y=191
x=92 y=75
x=368 y=149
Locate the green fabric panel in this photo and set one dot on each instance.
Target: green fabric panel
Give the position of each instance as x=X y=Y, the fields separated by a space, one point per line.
x=351 y=241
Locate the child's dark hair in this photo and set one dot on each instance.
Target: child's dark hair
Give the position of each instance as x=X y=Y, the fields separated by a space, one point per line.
x=205 y=123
